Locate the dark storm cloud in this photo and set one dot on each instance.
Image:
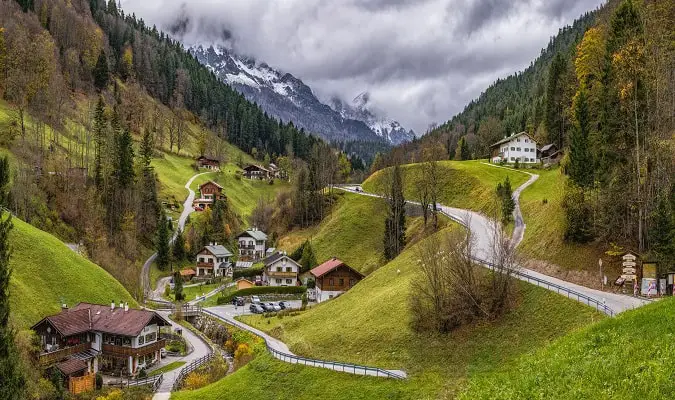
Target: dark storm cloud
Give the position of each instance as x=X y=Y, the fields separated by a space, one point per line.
x=421 y=60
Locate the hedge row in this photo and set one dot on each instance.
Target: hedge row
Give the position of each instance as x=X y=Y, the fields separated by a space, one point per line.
x=256 y=290
x=246 y=273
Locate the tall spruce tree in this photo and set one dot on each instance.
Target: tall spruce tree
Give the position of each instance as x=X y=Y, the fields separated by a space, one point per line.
x=308 y=259
x=162 y=243
x=394 y=230
x=178 y=294
x=580 y=168
x=505 y=195
x=554 y=121
x=12 y=382
x=101 y=73
x=124 y=161
x=99 y=134
x=178 y=249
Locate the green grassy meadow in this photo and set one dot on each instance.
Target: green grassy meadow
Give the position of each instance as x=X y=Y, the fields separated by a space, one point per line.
x=463 y=184
x=45 y=273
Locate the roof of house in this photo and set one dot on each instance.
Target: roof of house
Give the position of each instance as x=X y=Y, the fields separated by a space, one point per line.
x=243 y=264
x=508 y=139
x=330 y=265
x=86 y=316
x=71 y=366
x=254 y=167
x=209 y=182
x=276 y=257
x=254 y=233
x=244 y=280
x=187 y=272
x=548 y=147
x=217 y=250
x=202 y=158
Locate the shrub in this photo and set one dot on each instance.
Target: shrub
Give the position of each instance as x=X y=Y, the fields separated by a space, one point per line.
x=257 y=290
x=247 y=273
x=99 y=381
x=142 y=374
x=517 y=164
x=195 y=380
x=242 y=355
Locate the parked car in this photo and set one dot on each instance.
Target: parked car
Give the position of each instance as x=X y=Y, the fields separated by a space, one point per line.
x=197 y=208
x=266 y=307
x=273 y=307
x=283 y=305
x=238 y=301
x=255 y=299
x=256 y=308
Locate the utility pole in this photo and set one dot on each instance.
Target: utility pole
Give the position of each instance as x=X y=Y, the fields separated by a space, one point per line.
x=602 y=278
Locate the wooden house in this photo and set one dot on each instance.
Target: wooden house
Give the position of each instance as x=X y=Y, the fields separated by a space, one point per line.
x=333 y=278
x=208 y=163
x=89 y=338
x=252 y=171
x=208 y=193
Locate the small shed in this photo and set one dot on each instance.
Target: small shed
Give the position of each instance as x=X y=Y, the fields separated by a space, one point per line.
x=243 y=283
x=187 y=274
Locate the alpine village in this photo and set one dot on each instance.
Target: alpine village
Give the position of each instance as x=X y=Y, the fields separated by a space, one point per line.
x=173 y=227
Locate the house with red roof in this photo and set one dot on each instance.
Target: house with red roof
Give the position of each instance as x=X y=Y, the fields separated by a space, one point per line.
x=333 y=278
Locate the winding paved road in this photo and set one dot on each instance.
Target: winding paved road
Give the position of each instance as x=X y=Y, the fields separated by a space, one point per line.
x=156 y=295
x=482 y=229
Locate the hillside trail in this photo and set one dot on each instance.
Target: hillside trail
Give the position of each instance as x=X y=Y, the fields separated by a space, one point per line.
x=156 y=295
x=483 y=228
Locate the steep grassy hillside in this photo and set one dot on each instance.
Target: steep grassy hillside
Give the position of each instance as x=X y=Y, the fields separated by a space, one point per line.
x=628 y=357
x=268 y=378
x=370 y=325
x=46 y=273
x=541 y=204
x=463 y=184
x=353 y=232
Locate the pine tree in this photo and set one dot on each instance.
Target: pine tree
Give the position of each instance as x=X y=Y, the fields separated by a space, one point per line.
x=505 y=195
x=162 y=243
x=147 y=148
x=26 y=5
x=554 y=100
x=99 y=133
x=580 y=168
x=12 y=382
x=179 y=247
x=4 y=181
x=463 y=152
x=101 y=73
x=124 y=162
x=308 y=259
x=394 y=231
x=178 y=287
x=662 y=234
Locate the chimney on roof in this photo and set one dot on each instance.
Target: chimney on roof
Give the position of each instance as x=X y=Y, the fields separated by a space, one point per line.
x=112 y=305
x=126 y=306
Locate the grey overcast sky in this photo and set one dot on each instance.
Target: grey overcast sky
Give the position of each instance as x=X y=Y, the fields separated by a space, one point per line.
x=421 y=60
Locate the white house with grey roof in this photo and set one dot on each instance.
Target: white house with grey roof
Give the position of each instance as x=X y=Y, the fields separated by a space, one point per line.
x=214 y=260
x=280 y=270
x=252 y=244
x=519 y=147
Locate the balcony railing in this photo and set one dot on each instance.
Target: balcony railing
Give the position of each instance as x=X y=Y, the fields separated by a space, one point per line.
x=282 y=274
x=122 y=351
x=58 y=355
x=204 y=265
x=247 y=247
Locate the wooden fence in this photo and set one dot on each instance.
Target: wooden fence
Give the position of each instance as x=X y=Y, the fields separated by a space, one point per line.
x=190 y=368
x=79 y=384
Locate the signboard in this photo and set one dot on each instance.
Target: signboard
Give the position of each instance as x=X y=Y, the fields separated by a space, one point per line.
x=648 y=287
x=649 y=270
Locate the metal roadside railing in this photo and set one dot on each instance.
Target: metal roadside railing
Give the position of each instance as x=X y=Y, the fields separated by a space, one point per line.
x=186 y=370
x=570 y=293
x=293 y=359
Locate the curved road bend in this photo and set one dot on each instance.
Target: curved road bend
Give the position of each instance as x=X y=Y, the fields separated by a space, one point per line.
x=482 y=229
x=145 y=271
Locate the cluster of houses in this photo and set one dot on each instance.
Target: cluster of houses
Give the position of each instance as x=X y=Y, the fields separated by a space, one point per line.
x=332 y=278
x=522 y=148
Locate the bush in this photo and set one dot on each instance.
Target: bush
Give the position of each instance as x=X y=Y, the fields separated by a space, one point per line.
x=242 y=355
x=195 y=380
x=517 y=164
x=257 y=290
x=142 y=374
x=99 y=381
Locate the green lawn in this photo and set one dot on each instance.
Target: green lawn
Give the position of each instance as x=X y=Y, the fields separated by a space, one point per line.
x=370 y=325
x=541 y=205
x=627 y=357
x=167 y=368
x=353 y=232
x=464 y=184
x=45 y=272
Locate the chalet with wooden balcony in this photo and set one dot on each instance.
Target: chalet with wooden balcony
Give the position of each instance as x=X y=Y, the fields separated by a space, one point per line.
x=89 y=338
x=208 y=193
x=333 y=278
x=252 y=245
x=208 y=163
x=259 y=172
x=214 y=260
x=280 y=270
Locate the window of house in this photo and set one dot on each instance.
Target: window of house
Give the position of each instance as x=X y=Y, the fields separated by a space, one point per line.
x=513 y=148
x=279 y=269
x=518 y=140
x=289 y=281
x=342 y=282
x=330 y=282
x=518 y=149
x=141 y=340
x=526 y=141
x=150 y=337
x=289 y=269
x=278 y=280
x=351 y=282
x=513 y=159
x=201 y=259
